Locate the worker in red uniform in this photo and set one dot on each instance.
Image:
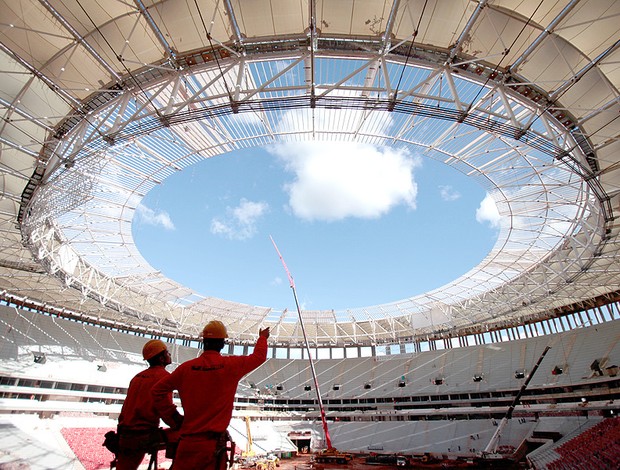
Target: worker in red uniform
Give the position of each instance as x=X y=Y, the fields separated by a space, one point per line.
x=138 y=424
x=207 y=387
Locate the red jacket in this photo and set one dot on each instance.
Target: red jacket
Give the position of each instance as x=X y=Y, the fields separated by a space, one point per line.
x=207 y=387
x=138 y=410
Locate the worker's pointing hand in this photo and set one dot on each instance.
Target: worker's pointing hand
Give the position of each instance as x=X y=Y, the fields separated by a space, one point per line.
x=264 y=333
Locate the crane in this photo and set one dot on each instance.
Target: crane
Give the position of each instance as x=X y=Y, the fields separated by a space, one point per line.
x=491 y=447
x=330 y=454
x=249 y=450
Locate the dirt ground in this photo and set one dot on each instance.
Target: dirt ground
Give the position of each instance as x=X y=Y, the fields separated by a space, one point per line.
x=304 y=462
x=300 y=462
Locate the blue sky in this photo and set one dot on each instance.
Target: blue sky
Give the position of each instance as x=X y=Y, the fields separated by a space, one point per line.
x=357 y=225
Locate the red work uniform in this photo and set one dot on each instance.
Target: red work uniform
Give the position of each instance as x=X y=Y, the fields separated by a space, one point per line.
x=138 y=423
x=207 y=387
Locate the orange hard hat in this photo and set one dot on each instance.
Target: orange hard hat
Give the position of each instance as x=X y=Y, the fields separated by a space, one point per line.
x=152 y=348
x=215 y=329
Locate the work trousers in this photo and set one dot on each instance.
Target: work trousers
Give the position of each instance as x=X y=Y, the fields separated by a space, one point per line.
x=200 y=453
x=134 y=445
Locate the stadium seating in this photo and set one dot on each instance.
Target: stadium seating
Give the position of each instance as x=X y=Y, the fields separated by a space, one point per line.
x=596 y=448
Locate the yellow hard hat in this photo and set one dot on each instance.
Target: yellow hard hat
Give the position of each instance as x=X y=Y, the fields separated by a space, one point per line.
x=152 y=348
x=215 y=329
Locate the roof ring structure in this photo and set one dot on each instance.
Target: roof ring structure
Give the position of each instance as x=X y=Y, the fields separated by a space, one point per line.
x=554 y=213
x=475 y=102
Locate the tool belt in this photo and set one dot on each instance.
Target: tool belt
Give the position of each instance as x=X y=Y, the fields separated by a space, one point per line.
x=142 y=440
x=225 y=447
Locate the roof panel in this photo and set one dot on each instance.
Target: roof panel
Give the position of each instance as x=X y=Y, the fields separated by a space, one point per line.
x=14 y=77
x=541 y=13
x=498 y=38
x=34 y=34
x=126 y=44
x=592 y=26
x=12 y=186
x=351 y=17
x=603 y=128
x=182 y=26
x=609 y=66
x=259 y=18
x=552 y=63
x=16 y=161
x=590 y=93
x=86 y=15
x=440 y=24
x=24 y=133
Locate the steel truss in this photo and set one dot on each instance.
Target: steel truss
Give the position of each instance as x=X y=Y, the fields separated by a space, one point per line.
x=101 y=163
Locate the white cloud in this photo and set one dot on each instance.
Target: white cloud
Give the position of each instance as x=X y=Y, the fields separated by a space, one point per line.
x=448 y=193
x=239 y=223
x=487 y=212
x=335 y=180
x=148 y=216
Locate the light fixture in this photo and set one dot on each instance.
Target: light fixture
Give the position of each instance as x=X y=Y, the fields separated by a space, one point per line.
x=39 y=358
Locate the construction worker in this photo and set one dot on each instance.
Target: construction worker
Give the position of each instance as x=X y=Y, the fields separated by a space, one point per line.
x=138 y=424
x=207 y=387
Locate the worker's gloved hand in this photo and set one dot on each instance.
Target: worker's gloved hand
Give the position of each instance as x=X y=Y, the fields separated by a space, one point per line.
x=264 y=333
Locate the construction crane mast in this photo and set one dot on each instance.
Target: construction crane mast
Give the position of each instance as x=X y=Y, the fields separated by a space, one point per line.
x=330 y=454
x=249 y=449
x=491 y=447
